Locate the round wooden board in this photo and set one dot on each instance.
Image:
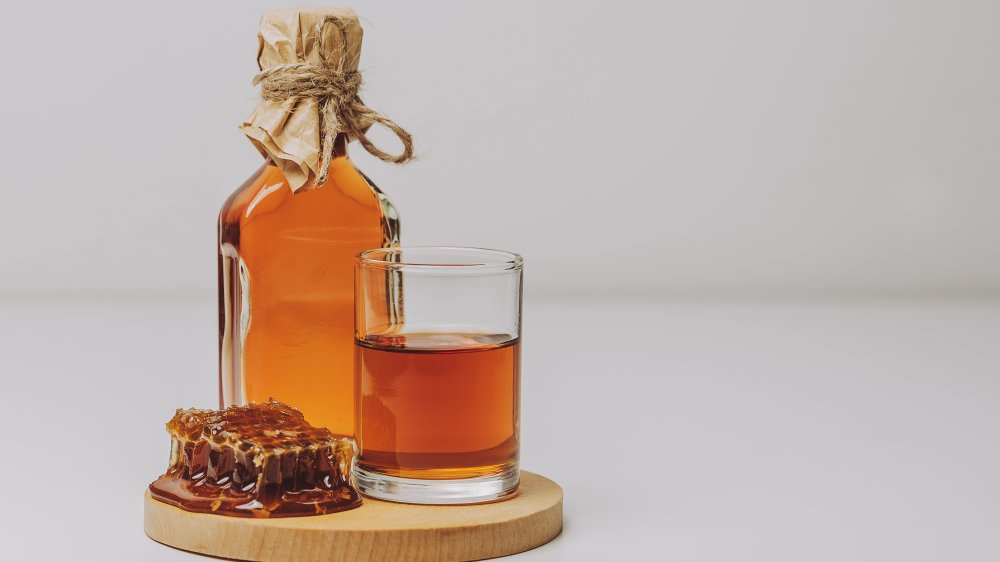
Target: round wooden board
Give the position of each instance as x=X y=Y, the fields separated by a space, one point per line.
x=377 y=530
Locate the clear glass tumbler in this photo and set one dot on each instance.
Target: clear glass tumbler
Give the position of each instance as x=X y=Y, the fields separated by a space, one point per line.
x=437 y=374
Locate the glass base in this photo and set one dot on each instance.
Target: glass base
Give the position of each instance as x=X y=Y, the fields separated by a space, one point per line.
x=436 y=492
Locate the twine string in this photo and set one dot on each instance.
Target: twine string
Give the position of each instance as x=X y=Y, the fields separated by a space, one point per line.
x=341 y=109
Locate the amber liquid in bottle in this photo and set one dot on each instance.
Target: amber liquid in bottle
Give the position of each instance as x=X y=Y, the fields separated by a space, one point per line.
x=286 y=289
x=438 y=406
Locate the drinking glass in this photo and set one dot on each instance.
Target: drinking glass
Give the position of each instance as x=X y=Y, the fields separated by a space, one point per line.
x=437 y=374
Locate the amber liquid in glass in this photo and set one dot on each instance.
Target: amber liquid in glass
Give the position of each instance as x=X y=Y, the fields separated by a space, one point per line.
x=438 y=406
x=286 y=289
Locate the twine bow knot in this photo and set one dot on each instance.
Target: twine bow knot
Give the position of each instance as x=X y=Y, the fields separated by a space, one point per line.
x=340 y=107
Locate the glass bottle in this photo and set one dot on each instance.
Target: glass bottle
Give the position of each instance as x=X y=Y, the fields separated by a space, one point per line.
x=286 y=288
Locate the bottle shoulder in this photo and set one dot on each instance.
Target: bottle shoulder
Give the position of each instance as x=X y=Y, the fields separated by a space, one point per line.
x=240 y=198
x=266 y=191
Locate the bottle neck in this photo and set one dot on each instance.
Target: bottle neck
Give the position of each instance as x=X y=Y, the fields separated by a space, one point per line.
x=340 y=146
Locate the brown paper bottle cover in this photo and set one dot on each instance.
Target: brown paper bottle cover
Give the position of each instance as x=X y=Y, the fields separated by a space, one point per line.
x=309 y=60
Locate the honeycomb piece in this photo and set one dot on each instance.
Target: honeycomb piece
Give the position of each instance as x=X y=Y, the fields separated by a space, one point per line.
x=259 y=460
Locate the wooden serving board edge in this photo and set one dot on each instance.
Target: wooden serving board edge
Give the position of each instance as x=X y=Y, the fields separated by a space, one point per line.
x=377 y=530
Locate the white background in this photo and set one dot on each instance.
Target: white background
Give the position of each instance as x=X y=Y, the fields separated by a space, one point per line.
x=668 y=148
x=761 y=238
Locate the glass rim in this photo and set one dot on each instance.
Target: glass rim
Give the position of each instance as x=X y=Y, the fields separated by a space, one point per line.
x=486 y=259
